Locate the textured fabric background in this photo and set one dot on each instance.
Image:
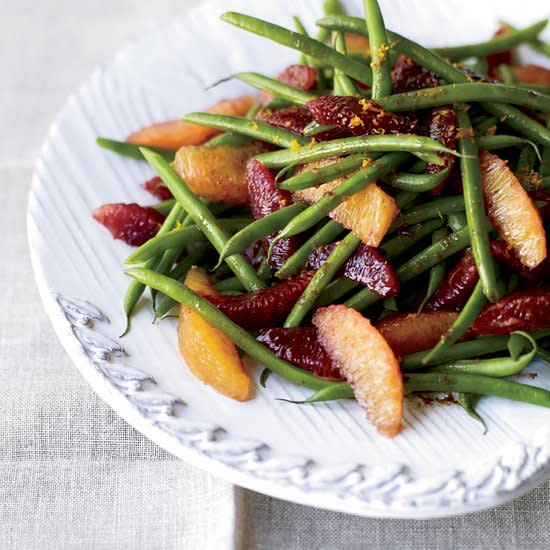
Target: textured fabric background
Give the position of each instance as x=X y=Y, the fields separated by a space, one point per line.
x=72 y=473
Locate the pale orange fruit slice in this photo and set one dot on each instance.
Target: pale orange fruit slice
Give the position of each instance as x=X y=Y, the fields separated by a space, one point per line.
x=367 y=362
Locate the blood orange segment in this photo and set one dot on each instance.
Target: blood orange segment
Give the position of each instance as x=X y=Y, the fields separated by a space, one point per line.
x=368 y=363
x=408 y=332
x=369 y=213
x=174 y=134
x=512 y=211
x=210 y=355
x=217 y=174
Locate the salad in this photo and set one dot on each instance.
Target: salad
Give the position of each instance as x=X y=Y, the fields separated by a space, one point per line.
x=371 y=224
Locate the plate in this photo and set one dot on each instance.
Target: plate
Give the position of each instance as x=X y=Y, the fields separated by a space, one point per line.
x=324 y=455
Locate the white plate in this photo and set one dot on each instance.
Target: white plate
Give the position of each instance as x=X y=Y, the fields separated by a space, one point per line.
x=325 y=455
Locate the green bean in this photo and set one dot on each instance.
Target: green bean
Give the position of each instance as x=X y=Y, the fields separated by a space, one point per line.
x=475 y=209
x=478 y=385
x=417 y=182
x=299 y=259
x=228 y=138
x=135 y=289
x=277 y=103
x=318 y=210
x=253 y=128
x=484 y=345
x=464 y=93
x=535 y=43
x=513 y=117
x=416 y=145
x=164 y=207
x=436 y=208
x=404 y=198
x=276 y=87
x=217 y=319
x=179 y=237
x=343 y=84
x=313 y=48
x=545 y=161
x=497 y=44
x=340 y=253
x=203 y=218
x=315 y=176
x=338 y=390
x=433 y=254
x=314 y=128
x=489 y=143
x=131 y=150
x=457 y=221
x=468 y=401
x=379 y=46
x=437 y=272
x=399 y=244
x=476 y=64
x=507 y=75
x=483 y=127
x=232 y=283
x=330 y=7
x=462 y=323
x=259 y=229
x=335 y=290
x=300 y=29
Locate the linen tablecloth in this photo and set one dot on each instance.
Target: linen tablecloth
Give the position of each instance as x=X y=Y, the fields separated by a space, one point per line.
x=72 y=473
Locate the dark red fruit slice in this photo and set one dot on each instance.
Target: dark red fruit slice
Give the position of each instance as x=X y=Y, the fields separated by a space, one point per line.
x=494 y=60
x=521 y=310
x=266 y=198
x=408 y=75
x=442 y=128
x=509 y=258
x=156 y=187
x=131 y=223
x=365 y=266
x=359 y=116
x=456 y=287
x=293 y=119
x=301 y=347
x=264 y=308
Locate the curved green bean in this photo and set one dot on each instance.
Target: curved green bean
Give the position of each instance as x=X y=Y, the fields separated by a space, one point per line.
x=131 y=150
x=253 y=128
x=474 y=204
x=325 y=235
x=203 y=218
x=259 y=229
x=462 y=323
x=341 y=252
x=478 y=385
x=489 y=143
x=417 y=145
x=416 y=182
x=497 y=44
x=276 y=87
x=217 y=319
x=465 y=93
x=304 y=44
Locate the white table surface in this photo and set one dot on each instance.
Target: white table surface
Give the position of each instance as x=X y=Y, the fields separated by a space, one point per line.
x=73 y=474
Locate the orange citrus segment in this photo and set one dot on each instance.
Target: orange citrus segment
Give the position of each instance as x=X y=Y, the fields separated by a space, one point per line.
x=511 y=211
x=174 y=134
x=218 y=173
x=368 y=213
x=210 y=355
x=409 y=332
x=367 y=362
